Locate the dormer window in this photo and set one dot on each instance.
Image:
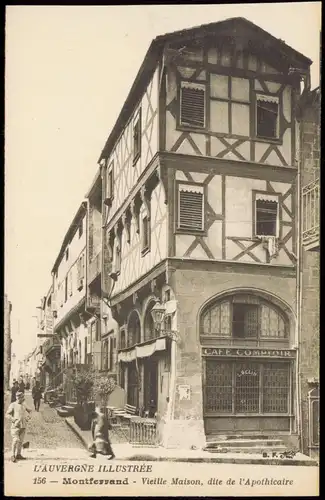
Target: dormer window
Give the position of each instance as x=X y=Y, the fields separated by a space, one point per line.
x=267 y=116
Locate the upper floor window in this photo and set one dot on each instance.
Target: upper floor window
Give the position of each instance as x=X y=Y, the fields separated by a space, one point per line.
x=110 y=181
x=244 y=316
x=267 y=116
x=190 y=207
x=117 y=254
x=266 y=214
x=192 y=104
x=137 y=136
x=229 y=105
x=145 y=234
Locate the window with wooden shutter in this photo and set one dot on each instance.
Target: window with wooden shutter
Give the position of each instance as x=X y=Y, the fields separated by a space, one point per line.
x=192 y=104
x=191 y=207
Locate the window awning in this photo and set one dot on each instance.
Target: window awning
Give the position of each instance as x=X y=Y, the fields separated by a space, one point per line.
x=192 y=85
x=142 y=351
x=191 y=188
x=267 y=197
x=268 y=98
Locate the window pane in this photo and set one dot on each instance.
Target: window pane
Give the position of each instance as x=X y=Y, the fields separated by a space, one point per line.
x=247 y=384
x=266 y=218
x=240 y=119
x=245 y=320
x=275 y=388
x=219 y=121
x=272 y=325
x=267 y=119
x=218 y=388
x=240 y=89
x=219 y=86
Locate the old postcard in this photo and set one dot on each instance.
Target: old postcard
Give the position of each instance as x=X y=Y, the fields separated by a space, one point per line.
x=162 y=250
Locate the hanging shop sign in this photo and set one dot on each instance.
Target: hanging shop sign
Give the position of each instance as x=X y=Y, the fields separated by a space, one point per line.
x=248 y=353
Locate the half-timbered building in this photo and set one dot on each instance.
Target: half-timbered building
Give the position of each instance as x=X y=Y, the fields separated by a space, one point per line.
x=199 y=190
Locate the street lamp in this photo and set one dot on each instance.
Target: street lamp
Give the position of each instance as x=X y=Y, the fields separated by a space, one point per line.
x=158 y=313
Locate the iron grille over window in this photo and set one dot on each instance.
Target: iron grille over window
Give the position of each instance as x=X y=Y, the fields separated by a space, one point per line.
x=267 y=113
x=191 y=207
x=234 y=387
x=266 y=218
x=192 y=104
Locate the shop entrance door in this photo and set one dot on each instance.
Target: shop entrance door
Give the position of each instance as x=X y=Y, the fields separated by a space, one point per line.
x=151 y=385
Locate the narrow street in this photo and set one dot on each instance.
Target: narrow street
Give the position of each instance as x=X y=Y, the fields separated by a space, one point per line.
x=48 y=435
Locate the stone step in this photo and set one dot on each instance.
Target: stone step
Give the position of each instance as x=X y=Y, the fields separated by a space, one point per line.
x=234 y=437
x=244 y=442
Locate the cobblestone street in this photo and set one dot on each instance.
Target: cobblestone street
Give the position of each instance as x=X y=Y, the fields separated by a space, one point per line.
x=45 y=431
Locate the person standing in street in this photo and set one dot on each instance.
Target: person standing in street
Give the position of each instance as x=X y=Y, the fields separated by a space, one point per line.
x=37 y=395
x=14 y=390
x=100 y=433
x=21 y=385
x=18 y=412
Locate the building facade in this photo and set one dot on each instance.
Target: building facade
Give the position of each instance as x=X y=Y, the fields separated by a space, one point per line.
x=68 y=301
x=199 y=183
x=310 y=269
x=7 y=343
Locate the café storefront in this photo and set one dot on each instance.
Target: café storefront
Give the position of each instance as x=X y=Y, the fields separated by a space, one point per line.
x=248 y=368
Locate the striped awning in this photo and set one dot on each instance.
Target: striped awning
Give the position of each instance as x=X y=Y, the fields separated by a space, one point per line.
x=142 y=351
x=193 y=85
x=190 y=188
x=267 y=197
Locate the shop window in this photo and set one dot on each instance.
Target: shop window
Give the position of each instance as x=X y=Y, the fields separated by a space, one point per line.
x=190 y=207
x=266 y=214
x=137 y=137
x=149 y=327
x=192 y=104
x=247 y=384
x=267 y=116
x=276 y=388
x=235 y=387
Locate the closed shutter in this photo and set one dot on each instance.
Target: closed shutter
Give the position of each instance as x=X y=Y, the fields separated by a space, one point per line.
x=193 y=104
x=191 y=208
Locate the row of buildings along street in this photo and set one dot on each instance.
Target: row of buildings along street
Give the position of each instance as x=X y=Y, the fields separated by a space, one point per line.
x=190 y=271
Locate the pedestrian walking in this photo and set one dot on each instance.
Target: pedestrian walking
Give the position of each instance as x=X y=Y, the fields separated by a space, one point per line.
x=37 y=395
x=14 y=390
x=18 y=412
x=100 y=433
x=21 y=385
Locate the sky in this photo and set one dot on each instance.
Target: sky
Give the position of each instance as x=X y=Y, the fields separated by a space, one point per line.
x=68 y=72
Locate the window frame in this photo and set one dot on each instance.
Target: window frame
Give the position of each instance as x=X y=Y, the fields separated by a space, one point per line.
x=110 y=181
x=178 y=229
x=137 y=127
x=247 y=299
x=255 y=194
x=145 y=248
x=187 y=126
x=261 y=138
